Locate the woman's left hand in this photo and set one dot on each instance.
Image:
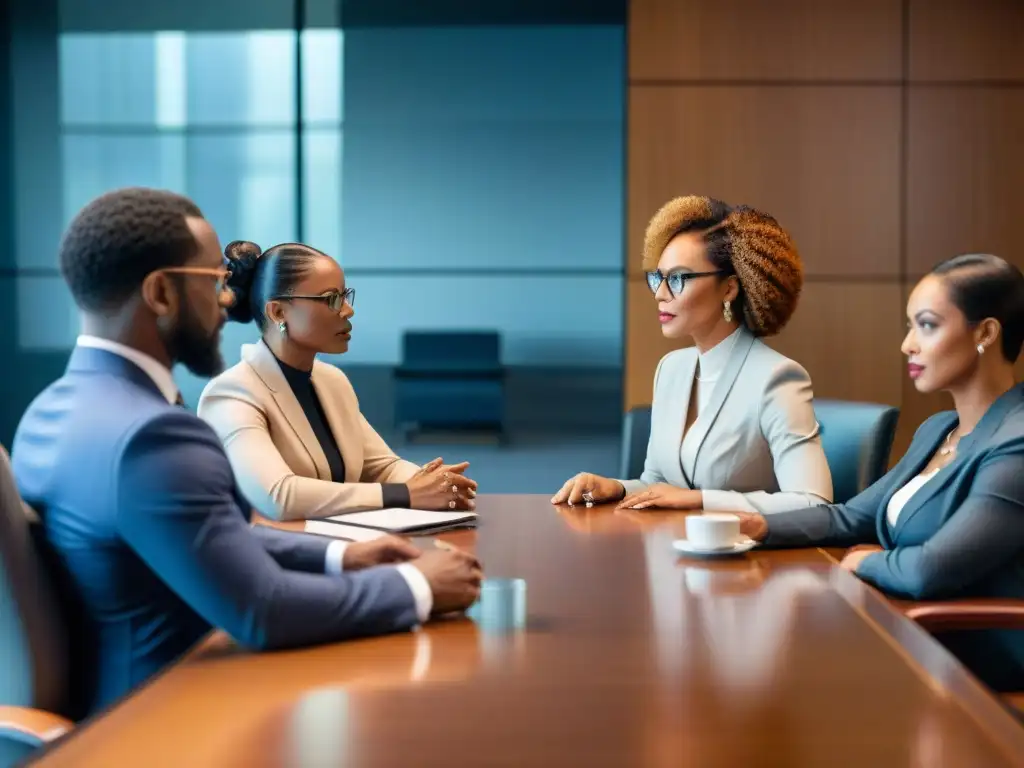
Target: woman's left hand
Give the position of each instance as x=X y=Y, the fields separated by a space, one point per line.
x=858 y=555
x=449 y=469
x=663 y=496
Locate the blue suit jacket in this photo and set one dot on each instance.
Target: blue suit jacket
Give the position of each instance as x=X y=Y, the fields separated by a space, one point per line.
x=151 y=541
x=960 y=535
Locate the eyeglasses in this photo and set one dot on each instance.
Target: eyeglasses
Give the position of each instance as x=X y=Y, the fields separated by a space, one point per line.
x=221 y=273
x=676 y=280
x=334 y=300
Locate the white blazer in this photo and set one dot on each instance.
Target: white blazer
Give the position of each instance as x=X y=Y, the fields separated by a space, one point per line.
x=759 y=447
x=277 y=460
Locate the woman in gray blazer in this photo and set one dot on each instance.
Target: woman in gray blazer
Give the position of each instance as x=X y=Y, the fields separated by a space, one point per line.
x=948 y=520
x=732 y=421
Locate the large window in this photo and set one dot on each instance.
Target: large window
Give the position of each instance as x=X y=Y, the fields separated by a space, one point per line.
x=212 y=115
x=483 y=171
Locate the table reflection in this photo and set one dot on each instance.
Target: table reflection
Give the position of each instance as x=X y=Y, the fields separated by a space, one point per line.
x=606 y=518
x=730 y=617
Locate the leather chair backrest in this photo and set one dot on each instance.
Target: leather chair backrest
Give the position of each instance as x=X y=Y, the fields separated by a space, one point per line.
x=636 y=432
x=33 y=638
x=857 y=438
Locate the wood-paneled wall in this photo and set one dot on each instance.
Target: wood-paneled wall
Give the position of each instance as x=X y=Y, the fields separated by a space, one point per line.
x=885 y=135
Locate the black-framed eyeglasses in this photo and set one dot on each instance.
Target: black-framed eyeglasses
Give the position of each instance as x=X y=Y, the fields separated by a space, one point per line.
x=334 y=300
x=676 y=280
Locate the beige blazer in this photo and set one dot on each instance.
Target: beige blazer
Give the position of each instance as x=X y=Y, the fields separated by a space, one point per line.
x=759 y=441
x=276 y=458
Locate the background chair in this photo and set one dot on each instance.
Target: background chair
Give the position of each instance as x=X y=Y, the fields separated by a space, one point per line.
x=451 y=381
x=636 y=432
x=33 y=653
x=857 y=439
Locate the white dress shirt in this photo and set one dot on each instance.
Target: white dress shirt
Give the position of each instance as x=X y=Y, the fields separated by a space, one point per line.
x=903 y=495
x=334 y=561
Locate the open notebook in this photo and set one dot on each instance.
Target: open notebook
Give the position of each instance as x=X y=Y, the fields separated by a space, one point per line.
x=391 y=520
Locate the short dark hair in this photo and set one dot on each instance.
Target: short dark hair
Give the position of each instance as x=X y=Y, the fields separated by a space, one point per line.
x=119 y=238
x=258 y=275
x=982 y=286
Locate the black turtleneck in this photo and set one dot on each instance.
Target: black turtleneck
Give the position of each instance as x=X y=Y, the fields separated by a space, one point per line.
x=301 y=382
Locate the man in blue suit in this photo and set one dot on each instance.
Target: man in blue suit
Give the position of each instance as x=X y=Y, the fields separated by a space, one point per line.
x=148 y=535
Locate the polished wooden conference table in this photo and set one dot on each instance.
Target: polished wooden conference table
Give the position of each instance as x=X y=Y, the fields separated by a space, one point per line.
x=605 y=648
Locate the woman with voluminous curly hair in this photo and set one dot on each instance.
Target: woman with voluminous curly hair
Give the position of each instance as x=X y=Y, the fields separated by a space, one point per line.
x=732 y=420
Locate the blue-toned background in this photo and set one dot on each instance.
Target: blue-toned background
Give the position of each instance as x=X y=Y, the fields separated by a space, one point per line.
x=467 y=175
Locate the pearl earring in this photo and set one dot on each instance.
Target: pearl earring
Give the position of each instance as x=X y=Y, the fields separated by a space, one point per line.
x=727 y=312
x=282 y=328
x=981 y=349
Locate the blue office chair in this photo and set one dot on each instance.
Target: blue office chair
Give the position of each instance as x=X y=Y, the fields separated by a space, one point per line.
x=857 y=439
x=636 y=432
x=450 y=380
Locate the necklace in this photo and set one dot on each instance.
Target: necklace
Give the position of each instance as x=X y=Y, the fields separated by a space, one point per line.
x=946 y=447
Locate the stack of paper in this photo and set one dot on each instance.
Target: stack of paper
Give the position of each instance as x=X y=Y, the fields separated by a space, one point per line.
x=363 y=526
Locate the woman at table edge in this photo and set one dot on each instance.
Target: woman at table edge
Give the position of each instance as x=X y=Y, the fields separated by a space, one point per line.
x=948 y=520
x=290 y=424
x=732 y=420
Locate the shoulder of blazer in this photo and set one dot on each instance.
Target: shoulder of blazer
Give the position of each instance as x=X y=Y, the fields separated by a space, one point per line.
x=674 y=360
x=184 y=427
x=765 y=365
x=240 y=382
x=1008 y=437
x=335 y=379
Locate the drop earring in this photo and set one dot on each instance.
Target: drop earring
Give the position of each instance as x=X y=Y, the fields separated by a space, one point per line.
x=282 y=328
x=981 y=349
x=727 y=311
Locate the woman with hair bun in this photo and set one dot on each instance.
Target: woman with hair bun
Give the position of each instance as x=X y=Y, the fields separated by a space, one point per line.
x=732 y=420
x=291 y=425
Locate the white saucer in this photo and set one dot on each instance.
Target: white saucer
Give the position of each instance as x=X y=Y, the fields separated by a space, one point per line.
x=685 y=547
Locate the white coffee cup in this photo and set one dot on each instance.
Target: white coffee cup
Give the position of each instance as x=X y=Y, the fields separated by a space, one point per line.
x=713 y=530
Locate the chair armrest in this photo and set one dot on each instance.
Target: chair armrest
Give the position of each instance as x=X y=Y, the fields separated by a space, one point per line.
x=31 y=726
x=1016 y=701
x=967 y=614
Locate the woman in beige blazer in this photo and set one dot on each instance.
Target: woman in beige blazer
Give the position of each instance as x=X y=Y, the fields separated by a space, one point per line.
x=732 y=420
x=291 y=425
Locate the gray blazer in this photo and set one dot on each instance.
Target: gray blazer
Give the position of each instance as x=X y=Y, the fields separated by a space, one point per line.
x=759 y=442
x=960 y=535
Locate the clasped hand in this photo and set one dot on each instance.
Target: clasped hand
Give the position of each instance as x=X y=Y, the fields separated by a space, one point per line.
x=438 y=486
x=454 y=575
